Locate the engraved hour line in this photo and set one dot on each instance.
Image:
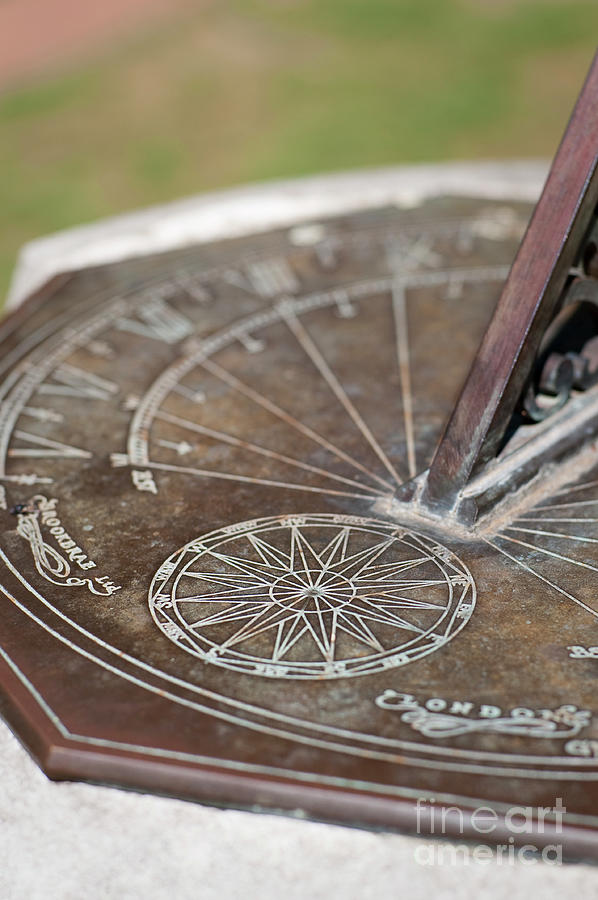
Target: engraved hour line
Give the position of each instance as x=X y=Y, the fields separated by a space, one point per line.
x=26 y=479
x=305 y=341
x=72 y=340
x=74 y=382
x=568 y=537
x=246 y=479
x=182 y=448
x=542 y=578
x=43 y=415
x=553 y=519
x=565 y=505
x=401 y=257
x=189 y=394
x=574 y=562
x=254 y=448
x=267 y=404
x=577 y=487
x=157 y=320
x=45 y=447
x=400 y=316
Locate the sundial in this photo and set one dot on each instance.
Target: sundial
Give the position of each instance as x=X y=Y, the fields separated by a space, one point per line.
x=247 y=561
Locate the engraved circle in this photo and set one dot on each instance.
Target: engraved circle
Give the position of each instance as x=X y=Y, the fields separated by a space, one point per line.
x=314 y=593
x=312 y=596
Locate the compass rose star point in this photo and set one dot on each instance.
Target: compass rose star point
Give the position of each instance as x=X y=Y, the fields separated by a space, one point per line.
x=311 y=597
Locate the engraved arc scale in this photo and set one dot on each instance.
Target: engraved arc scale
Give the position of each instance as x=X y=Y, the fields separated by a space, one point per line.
x=241 y=562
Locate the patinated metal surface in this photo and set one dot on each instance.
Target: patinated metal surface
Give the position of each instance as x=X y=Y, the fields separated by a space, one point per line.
x=205 y=589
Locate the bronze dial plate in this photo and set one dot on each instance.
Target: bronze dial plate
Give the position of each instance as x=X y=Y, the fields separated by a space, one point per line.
x=204 y=591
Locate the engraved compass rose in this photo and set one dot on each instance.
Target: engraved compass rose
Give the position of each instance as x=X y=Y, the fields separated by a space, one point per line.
x=315 y=596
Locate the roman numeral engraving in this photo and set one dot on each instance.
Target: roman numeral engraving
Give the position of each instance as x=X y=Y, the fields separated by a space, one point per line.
x=157 y=320
x=119 y=460
x=101 y=348
x=193 y=288
x=45 y=447
x=267 y=278
x=328 y=254
x=272 y=277
x=71 y=381
x=232 y=276
x=143 y=480
x=251 y=344
x=344 y=308
x=173 y=631
x=165 y=571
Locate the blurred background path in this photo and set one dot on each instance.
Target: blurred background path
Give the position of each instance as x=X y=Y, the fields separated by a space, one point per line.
x=38 y=37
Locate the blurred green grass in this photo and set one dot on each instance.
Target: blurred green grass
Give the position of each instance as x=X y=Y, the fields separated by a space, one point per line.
x=250 y=89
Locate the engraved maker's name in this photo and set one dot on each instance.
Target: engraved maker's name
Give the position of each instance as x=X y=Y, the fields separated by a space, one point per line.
x=49 y=519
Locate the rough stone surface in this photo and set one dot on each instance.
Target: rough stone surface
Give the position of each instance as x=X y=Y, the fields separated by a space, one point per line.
x=62 y=841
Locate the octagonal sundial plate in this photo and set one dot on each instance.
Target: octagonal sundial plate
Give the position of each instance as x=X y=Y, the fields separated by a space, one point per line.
x=204 y=590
